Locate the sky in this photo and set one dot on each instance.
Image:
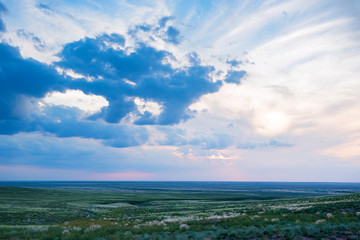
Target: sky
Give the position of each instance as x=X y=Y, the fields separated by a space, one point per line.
x=180 y=90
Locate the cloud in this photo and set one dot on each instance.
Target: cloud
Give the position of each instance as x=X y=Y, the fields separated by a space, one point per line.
x=21 y=80
x=172 y=136
x=304 y=82
x=350 y=150
x=234 y=62
x=234 y=76
x=272 y=143
x=162 y=30
x=38 y=44
x=25 y=81
x=76 y=98
x=45 y=8
x=3 y=9
x=173 y=35
x=139 y=85
x=151 y=78
x=65 y=122
x=73 y=153
x=216 y=141
x=34 y=149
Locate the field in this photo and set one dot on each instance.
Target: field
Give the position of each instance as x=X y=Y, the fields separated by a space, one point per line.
x=177 y=213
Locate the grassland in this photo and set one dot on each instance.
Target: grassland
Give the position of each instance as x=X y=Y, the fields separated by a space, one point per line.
x=29 y=213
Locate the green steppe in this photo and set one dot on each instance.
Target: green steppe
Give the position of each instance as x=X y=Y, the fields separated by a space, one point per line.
x=27 y=213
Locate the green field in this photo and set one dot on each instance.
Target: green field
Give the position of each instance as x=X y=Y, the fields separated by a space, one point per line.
x=29 y=213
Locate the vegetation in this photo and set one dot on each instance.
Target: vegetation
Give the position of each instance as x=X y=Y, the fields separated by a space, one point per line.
x=29 y=213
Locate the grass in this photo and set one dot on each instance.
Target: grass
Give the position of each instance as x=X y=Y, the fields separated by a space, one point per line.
x=29 y=213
